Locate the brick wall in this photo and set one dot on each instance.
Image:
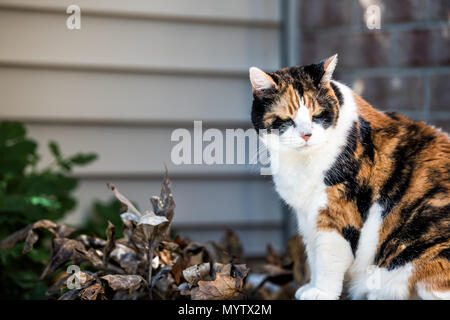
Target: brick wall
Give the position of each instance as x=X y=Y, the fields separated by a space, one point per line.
x=404 y=66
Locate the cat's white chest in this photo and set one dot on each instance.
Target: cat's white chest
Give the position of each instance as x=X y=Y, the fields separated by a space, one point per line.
x=300 y=183
x=299 y=188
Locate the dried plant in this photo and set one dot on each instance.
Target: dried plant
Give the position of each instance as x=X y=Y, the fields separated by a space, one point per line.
x=147 y=264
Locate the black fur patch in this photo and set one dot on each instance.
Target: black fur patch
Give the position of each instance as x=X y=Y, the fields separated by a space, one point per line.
x=281 y=125
x=346 y=167
x=417 y=218
x=444 y=254
x=413 y=251
x=262 y=102
x=363 y=196
x=351 y=234
x=366 y=138
x=315 y=71
x=404 y=156
x=392 y=115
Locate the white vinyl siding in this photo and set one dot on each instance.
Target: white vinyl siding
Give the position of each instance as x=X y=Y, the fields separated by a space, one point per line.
x=136 y=71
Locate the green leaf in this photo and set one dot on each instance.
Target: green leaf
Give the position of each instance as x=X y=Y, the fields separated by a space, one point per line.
x=16 y=155
x=54 y=149
x=45 y=202
x=11 y=130
x=82 y=159
x=65 y=165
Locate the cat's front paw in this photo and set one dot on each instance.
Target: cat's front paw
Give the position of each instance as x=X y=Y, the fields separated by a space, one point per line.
x=309 y=292
x=302 y=289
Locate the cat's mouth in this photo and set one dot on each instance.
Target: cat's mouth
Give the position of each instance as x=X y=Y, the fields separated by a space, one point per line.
x=298 y=147
x=306 y=147
x=295 y=145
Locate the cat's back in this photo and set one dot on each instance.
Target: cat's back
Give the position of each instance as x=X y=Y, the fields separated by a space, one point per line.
x=404 y=148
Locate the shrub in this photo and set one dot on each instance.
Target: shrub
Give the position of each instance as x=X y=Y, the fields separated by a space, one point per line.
x=29 y=194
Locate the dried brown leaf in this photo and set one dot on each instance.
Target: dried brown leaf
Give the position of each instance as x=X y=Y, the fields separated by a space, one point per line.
x=138 y=239
x=166 y=256
x=30 y=236
x=56 y=288
x=126 y=258
x=196 y=253
x=70 y=295
x=231 y=243
x=164 y=206
x=146 y=231
x=18 y=236
x=239 y=272
x=196 y=259
x=185 y=289
x=272 y=257
x=222 y=288
x=129 y=216
x=222 y=268
x=83 y=279
x=285 y=292
x=91 y=242
x=171 y=246
x=161 y=278
x=110 y=242
x=195 y=273
x=295 y=256
x=124 y=282
x=180 y=242
x=124 y=200
x=177 y=270
x=93 y=256
x=220 y=254
x=64 y=231
x=151 y=219
x=92 y=292
x=63 y=250
x=278 y=275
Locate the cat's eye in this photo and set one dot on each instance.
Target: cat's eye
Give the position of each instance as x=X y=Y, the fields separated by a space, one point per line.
x=319 y=114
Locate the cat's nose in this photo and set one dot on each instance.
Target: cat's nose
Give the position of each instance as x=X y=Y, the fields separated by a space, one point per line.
x=306 y=136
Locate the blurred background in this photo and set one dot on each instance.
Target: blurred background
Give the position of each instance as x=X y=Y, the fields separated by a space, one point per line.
x=137 y=70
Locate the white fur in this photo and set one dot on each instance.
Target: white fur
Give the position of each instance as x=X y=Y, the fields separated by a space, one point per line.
x=426 y=294
x=303 y=119
x=362 y=269
x=333 y=256
x=298 y=169
x=367 y=281
x=390 y=285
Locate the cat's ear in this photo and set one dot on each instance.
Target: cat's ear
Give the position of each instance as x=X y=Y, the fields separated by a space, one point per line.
x=260 y=80
x=329 y=65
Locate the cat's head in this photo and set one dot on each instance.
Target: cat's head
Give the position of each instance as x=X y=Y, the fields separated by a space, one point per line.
x=298 y=106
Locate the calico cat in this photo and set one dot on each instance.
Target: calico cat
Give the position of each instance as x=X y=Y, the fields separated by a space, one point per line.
x=371 y=189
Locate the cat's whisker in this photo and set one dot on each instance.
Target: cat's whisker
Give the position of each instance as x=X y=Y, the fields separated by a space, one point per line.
x=260 y=151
